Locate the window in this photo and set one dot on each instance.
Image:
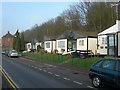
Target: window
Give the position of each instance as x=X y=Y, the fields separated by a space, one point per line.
x=111 y=41
x=28 y=46
x=105 y=40
x=69 y=44
x=48 y=45
x=81 y=42
x=61 y=44
x=8 y=39
x=98 y=64
x=108 y=64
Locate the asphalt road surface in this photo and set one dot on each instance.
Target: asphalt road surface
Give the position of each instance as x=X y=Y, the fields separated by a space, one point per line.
x=30 y=74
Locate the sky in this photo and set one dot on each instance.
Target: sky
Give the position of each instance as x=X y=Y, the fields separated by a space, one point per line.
x=24 y=15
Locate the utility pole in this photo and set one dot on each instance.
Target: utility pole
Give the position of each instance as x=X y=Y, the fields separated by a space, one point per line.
x=117 y=5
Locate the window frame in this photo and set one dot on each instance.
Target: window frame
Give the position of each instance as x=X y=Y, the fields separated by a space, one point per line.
x=106 y=40
x=61 y=44
x=48 y=43
x=8 y=39
x=81 y=42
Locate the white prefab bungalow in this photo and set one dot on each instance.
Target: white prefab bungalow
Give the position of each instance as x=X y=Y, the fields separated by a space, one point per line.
x=50 y=45
x=87 y=43
x=28 y=46
x=109 y=41
x=61 y=44
x=72 y=41
x=67 y=42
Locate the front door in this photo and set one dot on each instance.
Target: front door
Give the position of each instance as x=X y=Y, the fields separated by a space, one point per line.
x=72 y=45
x=112 y=45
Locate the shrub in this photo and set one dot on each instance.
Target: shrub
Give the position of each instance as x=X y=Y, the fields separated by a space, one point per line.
x=62 y=50
x=38 y=48
x=55 y=51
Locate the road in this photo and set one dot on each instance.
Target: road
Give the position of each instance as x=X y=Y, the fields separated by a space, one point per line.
x=30 y=74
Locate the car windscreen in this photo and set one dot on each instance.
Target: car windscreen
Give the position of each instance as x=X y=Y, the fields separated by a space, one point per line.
x=14 y=52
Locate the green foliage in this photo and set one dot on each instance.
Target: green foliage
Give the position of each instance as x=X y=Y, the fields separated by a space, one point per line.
x=18 y=43
x=22 y=43
x=38 y=48
x=14 y=42
x=79 y=62
x=84 y=63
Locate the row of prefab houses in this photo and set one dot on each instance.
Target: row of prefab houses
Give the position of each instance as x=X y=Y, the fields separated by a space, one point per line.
x=106 y=43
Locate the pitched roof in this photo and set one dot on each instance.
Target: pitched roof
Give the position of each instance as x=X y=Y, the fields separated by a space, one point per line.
x=8 y=35
x=112 y=30
x=70 y=35
x=46 y=38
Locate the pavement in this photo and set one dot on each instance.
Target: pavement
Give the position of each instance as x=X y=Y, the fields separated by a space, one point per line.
x=74 y=69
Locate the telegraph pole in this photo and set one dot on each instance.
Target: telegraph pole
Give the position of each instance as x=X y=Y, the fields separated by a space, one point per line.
x=117 y=5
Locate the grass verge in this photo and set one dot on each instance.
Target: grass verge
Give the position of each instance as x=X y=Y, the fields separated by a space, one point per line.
x=79 y=62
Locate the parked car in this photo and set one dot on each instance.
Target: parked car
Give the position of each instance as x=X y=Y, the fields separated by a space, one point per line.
x=13 y=53
x=6 y=53
x=3 y=51
x=105 y=72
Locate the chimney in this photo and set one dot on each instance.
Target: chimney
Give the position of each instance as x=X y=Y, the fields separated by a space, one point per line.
x=8 y=32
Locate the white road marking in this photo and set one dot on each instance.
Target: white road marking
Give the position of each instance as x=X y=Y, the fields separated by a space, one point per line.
x=66 y=78
x=40 y=69
x=50 y=72
x=90 y=87
x=77 y=82
x=35 y=67
x=57 y=75
x=44 y=70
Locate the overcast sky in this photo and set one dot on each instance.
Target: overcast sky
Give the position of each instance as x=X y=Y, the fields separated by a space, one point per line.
x=24 y=15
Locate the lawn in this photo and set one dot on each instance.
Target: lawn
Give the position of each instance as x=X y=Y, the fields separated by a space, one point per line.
x=67 y=60
x=84 y=63
x=48 y=57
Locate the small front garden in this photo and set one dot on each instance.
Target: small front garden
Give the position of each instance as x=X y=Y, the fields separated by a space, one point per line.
x=67 y=60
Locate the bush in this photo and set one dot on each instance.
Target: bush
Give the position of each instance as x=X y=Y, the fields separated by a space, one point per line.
x=62 y=50
x=38 y=48
x=55 y=51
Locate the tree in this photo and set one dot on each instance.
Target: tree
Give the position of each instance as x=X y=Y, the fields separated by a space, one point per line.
x=100 y=16
x=16 y=41
x=87 y=18
x=17 y=48
x=22 y=42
